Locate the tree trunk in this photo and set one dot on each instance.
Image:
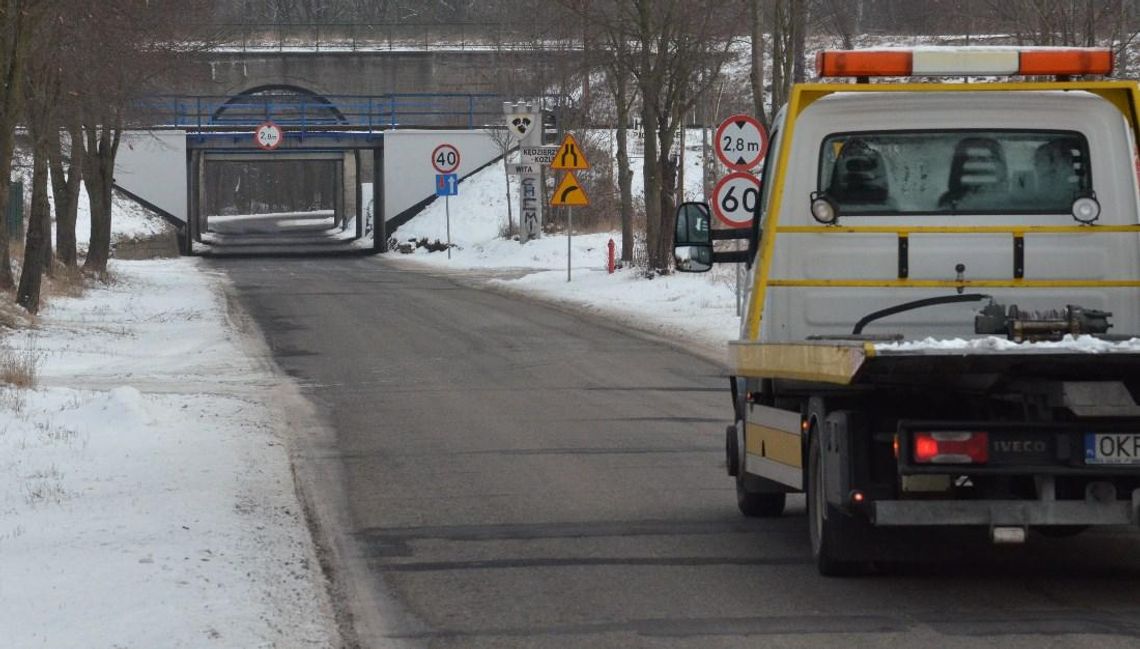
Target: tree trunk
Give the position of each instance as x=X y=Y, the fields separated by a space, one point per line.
x=7 y=136
x=756 y=14
x=651 y=173
x=28 y=293
x=799 y=33
x=625 y=181
x=45 y=224
x=624 y=171
x=102 y=146
x=662 y=246
x=14 y=44
x=779 y=57
x=65 y=189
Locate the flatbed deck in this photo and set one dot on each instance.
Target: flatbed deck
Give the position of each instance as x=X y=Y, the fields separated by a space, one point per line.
x=930 y=362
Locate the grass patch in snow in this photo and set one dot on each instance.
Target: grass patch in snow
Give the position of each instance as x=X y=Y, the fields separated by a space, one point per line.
x=18 y=367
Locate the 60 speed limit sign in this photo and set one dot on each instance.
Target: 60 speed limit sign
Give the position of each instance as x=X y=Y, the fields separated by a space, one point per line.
x=735 y=198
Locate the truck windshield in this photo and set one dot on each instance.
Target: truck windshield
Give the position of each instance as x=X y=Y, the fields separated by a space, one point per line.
x=955 y=172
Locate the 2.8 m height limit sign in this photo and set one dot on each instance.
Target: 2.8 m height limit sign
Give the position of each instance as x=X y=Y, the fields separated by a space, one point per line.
x=741 y=142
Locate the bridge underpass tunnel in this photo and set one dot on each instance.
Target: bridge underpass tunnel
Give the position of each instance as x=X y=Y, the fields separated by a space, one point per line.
x=271 y=195
x=278 y=199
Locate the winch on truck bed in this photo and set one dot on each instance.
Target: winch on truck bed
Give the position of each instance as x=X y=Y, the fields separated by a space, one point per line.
x=944 y=292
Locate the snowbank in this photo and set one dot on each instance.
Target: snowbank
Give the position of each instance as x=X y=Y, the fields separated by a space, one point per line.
x=144 y=501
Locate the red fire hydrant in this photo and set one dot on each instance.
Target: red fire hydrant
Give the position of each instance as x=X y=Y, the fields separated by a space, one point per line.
x=610 y=265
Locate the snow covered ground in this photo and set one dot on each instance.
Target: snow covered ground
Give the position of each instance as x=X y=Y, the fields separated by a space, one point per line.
x=145 y=498
x=699 y=308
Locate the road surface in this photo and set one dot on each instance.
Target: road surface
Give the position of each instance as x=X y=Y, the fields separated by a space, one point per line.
x=519 y=476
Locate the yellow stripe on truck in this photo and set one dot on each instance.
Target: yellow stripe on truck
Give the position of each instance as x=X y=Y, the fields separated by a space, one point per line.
x=776 y=445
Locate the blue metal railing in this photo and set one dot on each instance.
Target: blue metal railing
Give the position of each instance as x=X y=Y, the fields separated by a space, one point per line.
x=312 y=113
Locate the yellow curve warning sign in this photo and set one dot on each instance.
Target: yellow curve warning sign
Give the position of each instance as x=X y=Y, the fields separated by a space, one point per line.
x=569 y=193
x=570 y=156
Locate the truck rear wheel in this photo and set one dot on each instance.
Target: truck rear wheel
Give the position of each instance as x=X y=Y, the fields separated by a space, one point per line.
x=837 y=540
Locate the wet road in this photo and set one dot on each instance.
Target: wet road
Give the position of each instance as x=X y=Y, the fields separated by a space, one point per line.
x=517 y=476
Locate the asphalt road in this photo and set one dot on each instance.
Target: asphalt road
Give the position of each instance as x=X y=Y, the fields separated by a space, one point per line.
x=517 y=476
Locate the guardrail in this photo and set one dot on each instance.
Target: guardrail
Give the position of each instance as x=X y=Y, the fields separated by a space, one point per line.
x=313 y=113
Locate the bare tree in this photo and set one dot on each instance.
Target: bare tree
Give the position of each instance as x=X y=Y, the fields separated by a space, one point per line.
x=679 y=49
x=842 y=18
x=15 y=40
x=504 y=143
x=676 y=50
x=43 y=85
x=613 y=54
x=756 y=20
x=127 y=45
x=66 y=183
x=1065 y=22
x=789 y=23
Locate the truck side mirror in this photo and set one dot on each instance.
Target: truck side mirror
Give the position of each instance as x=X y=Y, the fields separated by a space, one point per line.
x=692 y=241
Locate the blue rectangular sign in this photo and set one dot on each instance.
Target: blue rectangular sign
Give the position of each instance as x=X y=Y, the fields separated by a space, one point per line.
x=447 y=184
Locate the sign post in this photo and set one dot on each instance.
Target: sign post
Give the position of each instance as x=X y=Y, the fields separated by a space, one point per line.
x=445 y=159
x=569 y=193
x=524 y=123
x=741 y=144
x=734 y=202
x=447 y=185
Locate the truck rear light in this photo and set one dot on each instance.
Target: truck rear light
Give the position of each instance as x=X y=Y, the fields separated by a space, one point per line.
x=951 y=448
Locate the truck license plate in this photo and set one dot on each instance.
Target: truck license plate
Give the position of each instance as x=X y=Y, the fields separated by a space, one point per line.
x=1112 y=448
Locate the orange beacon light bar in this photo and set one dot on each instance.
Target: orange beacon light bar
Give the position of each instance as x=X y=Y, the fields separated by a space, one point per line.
x=965 y=61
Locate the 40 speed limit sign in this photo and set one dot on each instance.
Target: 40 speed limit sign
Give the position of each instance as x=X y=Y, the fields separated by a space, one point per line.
x=734 y=199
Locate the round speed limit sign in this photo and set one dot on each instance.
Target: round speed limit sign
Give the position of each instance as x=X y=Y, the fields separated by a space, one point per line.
x=735 y=198
x=445 y=158
x=268 y=136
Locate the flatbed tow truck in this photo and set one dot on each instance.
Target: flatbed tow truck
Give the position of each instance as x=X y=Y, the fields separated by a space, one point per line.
x=941 y=327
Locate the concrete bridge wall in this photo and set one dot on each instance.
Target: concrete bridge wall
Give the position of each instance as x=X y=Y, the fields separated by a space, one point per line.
x=368 y=72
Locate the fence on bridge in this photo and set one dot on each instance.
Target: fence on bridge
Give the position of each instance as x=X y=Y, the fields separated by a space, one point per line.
x=353 y=37
x=303 y=114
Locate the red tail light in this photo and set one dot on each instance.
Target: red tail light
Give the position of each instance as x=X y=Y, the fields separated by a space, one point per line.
x=951 y=448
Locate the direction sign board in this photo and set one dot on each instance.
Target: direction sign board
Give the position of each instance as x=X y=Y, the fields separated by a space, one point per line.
x=741 y=142
x=268 y=136
x=445 y=158
x=447 y=185
x=570 y=156
x=523 y=169
x=735 y=198
x=538 y=155
x=569 y=193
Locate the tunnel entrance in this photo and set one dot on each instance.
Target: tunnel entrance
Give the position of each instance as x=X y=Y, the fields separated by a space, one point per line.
x=271 y=196
x=312 y=191
x=277 y=201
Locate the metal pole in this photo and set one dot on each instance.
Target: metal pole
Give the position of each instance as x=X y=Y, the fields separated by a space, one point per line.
x=739 y=271
x=569 y=236
x=447 y=211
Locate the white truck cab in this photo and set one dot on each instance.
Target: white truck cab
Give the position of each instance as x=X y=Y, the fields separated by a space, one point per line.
x=943 y=326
